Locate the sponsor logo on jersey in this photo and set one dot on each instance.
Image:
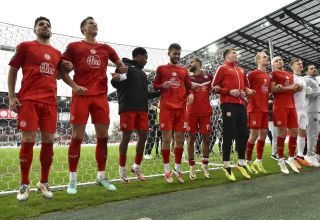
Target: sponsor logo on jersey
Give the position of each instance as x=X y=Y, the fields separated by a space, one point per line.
x=23 y=124
x=93 y=51
x=228 y=114
x=47 y=69
x=205 y=76
x=279 y=122
x=264 y=88
x=287 y=83
x=254 y=122
x=124 y=125
x=174 y=82
x=94 y=61
x=174 y=74
x=47 y=56
x=162 y=125
x=287 y=77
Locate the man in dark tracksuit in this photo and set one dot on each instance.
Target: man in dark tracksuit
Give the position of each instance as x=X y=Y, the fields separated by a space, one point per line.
x=231 y=81
x=133 y=109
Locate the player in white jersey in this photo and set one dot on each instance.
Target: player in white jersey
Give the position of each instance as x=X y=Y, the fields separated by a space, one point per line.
x=301 y=108
x=313 y=111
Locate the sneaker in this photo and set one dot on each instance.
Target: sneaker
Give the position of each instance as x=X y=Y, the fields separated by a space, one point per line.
x=249 y=166
x=168 y=177
x=106 y=184
x=72 y=187
x=23 y=192
x=291 y=164
x=297 y=164
x=147 y=157
x=179 y=176
x=204 y=168
x=123 y=174
x=243 y=171
x=45 y=190
x=282 y=166
x=137 y=171
x=192 y=173
x=317 y=156
x=259 y=166
x=275 y=157
x=229 y=174
x=312 y=160
x=302 y=161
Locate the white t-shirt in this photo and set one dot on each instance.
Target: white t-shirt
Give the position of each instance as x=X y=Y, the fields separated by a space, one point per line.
x=300 y=97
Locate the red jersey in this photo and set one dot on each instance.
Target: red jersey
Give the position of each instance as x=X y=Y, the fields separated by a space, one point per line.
x=90 y=61
x=39 y=69
x=175 y=97
x=229 y=76
x=283 y=99
x=201 y=104
x=260 y=82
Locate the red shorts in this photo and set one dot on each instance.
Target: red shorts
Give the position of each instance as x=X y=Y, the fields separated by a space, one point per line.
x=199 y=123
x=96 y=105
x=33 y=114
x=173 y=120
x=130 y=121
x=258 y=120
x=285 y=118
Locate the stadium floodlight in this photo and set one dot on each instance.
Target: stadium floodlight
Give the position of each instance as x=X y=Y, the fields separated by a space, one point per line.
x=212 y=48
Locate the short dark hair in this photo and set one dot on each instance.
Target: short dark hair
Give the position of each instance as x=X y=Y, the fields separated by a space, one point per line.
x=174 y=46
x=198 y=60
x=306 y=67
x=83 y=22
x=226 y=52
x=138 y=51
x=40 y=19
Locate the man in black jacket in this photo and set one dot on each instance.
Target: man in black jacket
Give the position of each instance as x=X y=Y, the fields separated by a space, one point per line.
x=133 y=109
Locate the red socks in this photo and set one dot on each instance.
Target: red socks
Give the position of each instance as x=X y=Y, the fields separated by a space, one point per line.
x=165 y=155
x=25 y=157
x=280 y=146
x=46 y=158
x=101 y=153
x=249 y=149
x=138 y=159
x=260 y=148
x=178 y=154
x=191 y=162
x=292 y=146
x=74 y=154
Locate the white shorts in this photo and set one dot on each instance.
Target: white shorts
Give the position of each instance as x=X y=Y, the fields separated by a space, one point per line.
x=302 y=119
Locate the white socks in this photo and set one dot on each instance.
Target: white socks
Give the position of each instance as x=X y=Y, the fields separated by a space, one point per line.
x=101 y=175
x=300 y=145
x=167 y=167
x=73 y=175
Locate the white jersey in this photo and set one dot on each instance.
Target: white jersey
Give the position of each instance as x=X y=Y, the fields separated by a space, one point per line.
x=300 y=97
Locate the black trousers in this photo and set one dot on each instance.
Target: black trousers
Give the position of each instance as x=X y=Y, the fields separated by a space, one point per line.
x=234 y=118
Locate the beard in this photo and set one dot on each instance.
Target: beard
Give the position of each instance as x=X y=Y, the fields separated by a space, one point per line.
x=174 y=60
x=192 y=69
x=45 y=35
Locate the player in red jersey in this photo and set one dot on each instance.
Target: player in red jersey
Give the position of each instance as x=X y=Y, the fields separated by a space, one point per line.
x=36 y=102
x=231 y=81
x=257 y=109
x=284 y=112
x=198 y=115
x=89 y=96
x=174 y=83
